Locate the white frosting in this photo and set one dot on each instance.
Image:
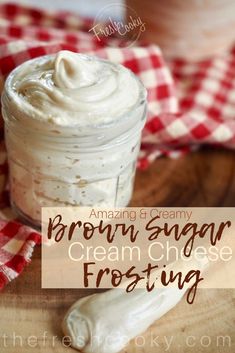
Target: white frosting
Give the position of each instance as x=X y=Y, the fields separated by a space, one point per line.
x=73 y=126
x=73 y=89
x=106 y=322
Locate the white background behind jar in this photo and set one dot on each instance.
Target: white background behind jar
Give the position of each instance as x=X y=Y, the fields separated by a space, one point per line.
x=83 y=7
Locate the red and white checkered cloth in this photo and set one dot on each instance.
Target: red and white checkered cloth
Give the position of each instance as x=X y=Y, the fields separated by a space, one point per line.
x=188 y=103
x=17 y=242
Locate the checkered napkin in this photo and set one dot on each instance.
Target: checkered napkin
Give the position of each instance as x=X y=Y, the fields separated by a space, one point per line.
x=188 y=104
x=17 y=242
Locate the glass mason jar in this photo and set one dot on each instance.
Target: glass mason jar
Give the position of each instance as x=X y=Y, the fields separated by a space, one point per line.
x=88 y=166
x=193 y=29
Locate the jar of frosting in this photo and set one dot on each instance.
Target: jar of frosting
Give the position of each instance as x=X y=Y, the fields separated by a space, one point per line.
x=72 y=126
x=192 y=29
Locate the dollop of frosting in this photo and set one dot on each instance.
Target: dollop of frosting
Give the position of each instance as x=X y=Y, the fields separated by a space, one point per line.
x=75 y=89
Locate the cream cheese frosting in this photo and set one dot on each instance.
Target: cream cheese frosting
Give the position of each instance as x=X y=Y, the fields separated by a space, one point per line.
x=73 y=126
x=107 y=321
x=71 y=89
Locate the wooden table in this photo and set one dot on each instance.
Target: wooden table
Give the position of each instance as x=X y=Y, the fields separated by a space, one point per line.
x=205 y=178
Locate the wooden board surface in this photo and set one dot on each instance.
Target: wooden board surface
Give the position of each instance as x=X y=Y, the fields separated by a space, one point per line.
x=30 y=317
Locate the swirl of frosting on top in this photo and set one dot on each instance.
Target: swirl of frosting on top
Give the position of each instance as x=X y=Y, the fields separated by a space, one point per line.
x=71 y=89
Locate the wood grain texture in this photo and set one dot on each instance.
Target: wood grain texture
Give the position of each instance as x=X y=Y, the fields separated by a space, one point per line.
x=204 y=178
